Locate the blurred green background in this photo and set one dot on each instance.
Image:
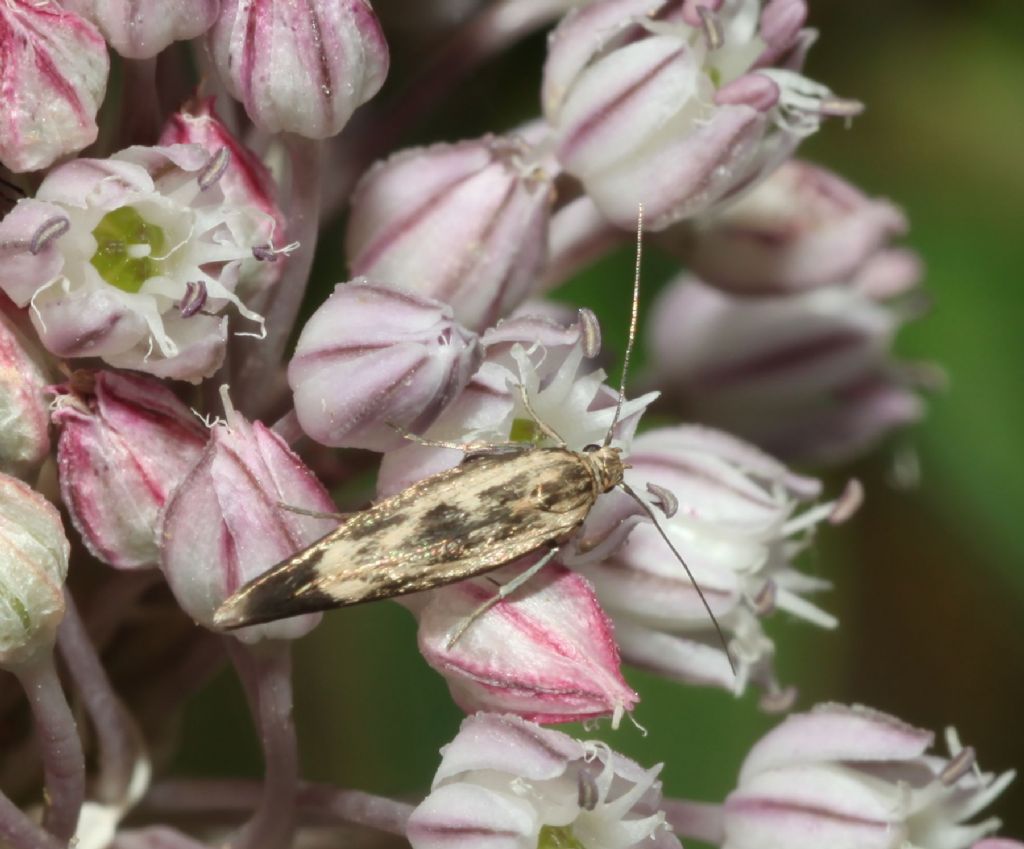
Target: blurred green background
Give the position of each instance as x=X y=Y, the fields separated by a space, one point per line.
x=929 y=582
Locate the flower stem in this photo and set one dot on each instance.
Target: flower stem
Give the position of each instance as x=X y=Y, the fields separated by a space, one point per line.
x=316 y=802
x=19 y=832
x=265 y=670
x=60 y=745
x=118 y=740
x=259 y=360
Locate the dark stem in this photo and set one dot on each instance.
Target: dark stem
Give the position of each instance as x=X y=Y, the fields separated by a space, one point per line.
x=265 y=670
x=59 y=743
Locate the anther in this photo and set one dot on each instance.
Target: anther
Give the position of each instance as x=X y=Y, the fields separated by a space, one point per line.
x=666 y=501
x=840 y=107
x=778 y=699
x=959 y=765
x=847 y=503
x=49 y=230
x=194 y=298
x=712 y=28
x=590 y=333
x=214 y=169
x=764 y=601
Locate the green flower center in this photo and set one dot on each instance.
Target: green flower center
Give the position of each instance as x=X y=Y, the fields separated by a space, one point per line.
x=558 y=837
x=525 y=430
x=126 y=247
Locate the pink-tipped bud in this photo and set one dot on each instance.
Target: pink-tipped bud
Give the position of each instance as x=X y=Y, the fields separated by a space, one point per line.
x=464 y=223
x=140 y=30
x=373 y=359
x=33 y=565
x=55 y=68
x=851 y=776
x=300 y=70
x=546 y=653
x=126 y=443
x=802 y=227
x=228 y=521
x=504 y=782
x=25 y=436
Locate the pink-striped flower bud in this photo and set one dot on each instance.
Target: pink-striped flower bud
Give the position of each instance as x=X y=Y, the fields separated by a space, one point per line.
x=674 y=104
x=226 y=523
x=25 y=436
x=546 y=653
x=504 y=782
x=55 y=68
x=732 y=514
x=802 y=227
x=809 y=377
x=126 y=443
x=301 y=71
x=850 y=776
x=33 y=565
x=464 y=223
x=372 y=358
x=133 y=259
x=140 y=30
x=246 y=181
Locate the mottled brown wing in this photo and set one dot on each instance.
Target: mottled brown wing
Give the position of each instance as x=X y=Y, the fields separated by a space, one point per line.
x=491 y=510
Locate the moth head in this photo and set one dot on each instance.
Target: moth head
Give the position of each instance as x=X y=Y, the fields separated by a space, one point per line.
x=606 y=464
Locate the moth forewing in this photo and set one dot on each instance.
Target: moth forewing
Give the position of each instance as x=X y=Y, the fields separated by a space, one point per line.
x=485 y=513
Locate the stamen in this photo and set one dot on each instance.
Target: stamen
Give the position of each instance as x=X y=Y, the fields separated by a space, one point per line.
x=666 y=501
x=712 y=28
x=214 y=169
x=49 y=230
x=959 y=765
x=590 y=331
x=587 y=795
x=764 y=601
x=268 y=253
x=847 y=503
x=840 y=107
x=778 y=699
x=194 y=298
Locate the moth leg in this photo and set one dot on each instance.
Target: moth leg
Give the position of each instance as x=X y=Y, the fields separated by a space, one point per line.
x=504 y=591
x=316 y=514
x=546 y=429
x=465 y=447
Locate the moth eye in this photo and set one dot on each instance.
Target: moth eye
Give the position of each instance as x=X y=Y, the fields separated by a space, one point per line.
x=590 y=449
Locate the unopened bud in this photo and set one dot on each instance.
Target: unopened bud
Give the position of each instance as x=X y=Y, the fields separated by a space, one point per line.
x=139 y=29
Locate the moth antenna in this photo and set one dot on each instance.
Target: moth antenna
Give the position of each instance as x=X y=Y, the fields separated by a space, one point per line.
x=632 y=324
x=714 y=620
x=546 y=429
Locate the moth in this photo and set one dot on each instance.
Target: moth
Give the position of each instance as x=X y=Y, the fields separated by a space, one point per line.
x=501 y=503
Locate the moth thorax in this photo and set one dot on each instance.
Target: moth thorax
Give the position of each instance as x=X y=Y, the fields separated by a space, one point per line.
x=606 y=465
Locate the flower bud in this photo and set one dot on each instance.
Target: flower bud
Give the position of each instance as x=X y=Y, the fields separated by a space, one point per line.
x=225 y=524
x=850 y=776
x=245 y=182
x=54 y=75
x=300 y=71
x=33 y=565
x=735 y=524
x=132 y=258
x=546 y=653
x=802 y=227
x=809 y=377
x=504 y=782
x=25 y=437
x=140 y=30
x=126 y=443
x=464 y=223
x=372 y=358
x=673 y=106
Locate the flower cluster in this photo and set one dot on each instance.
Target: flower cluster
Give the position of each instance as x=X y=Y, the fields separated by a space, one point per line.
x=160 y=386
